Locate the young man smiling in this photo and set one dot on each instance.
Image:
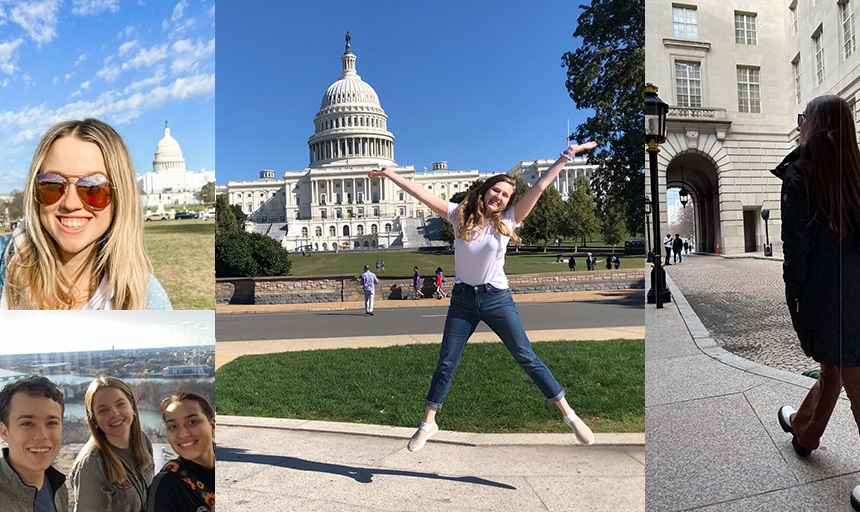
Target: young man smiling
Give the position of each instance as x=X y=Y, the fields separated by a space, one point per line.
x=31 y=424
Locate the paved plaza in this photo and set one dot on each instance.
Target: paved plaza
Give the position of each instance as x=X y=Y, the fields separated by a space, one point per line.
x=713 y=442
x=741 y=301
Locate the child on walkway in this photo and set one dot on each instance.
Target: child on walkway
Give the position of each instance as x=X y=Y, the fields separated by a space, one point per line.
x=483 y=224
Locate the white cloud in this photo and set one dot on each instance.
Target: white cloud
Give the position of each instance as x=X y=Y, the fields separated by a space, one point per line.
x=7 y=56
x=56 y=80
x=127 y=46
x=109 y=73
x=67 y=76
x=179 y=10
x=85 y=85
x=157 y=78
x=81 y=58
x=127 y=32
x=146 y=57
x=93 y=7
x=189 y=54
x=38 y=19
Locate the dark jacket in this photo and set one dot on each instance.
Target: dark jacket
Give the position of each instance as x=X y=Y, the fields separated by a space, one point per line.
x=822 y=278
x=16 y=496
x=677 y=244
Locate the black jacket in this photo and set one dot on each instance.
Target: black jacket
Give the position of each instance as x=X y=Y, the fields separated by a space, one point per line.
x=822 y=277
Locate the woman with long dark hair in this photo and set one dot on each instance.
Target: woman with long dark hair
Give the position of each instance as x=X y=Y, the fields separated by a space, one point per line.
x=821 y=245
x=483 y=224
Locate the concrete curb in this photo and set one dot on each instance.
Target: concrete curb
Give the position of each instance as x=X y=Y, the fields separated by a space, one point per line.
x=447 y=437
x=706 y=343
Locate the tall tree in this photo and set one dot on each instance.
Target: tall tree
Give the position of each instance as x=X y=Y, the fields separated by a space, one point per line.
x=580 y=212
x=545 y=221
x=207 y=193
x=606 y=74
x=614 y=227
x=225 y=218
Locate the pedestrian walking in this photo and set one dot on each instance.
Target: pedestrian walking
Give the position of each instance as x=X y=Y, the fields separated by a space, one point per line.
x=377 y=265
x=416 y=284
x=368 y=283
x=589 y=262
x=483 y=224
x=667 y=244
x=571 y=263
x=686 y=247
x=616 y=262
x=609 y=263
x=677 y=245
x=439 y=281
x=382 y=266
x=821 y=246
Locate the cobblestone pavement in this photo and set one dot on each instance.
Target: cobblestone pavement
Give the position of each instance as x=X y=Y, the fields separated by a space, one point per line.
x=741 y=301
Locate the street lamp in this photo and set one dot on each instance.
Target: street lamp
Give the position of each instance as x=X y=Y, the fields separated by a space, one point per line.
x=648 y=229
x=683 y=194
x=768 y=248
x=655 y=134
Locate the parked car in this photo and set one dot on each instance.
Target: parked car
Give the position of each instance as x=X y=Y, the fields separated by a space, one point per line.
x=157 y=216
x=186 y=215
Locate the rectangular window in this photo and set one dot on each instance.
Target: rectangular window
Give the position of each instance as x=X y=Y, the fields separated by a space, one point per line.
x=688 y=84
x=795 y=66
x=846 y=10
x=818 y=51
x=793 y=13
x=749 y=91
x=685 y=23
x=745 y=28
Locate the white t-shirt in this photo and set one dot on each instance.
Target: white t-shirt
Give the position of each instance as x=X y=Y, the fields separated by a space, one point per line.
x=481 y=261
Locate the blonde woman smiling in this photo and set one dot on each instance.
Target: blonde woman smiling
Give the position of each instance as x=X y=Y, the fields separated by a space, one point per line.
x=114 y=469
x=81 y=244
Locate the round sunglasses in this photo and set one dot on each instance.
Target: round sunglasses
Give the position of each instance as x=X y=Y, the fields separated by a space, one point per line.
x=94 y=191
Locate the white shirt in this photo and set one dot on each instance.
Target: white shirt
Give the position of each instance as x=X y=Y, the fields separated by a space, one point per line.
x=482 y=260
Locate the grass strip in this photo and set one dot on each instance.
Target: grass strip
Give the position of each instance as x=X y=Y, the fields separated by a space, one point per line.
x=605 y=383
x=183 y=259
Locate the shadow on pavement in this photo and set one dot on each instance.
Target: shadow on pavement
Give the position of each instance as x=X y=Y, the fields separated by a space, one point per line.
x=361 y=475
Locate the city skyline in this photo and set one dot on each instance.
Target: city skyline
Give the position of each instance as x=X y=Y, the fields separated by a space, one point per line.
x=133 y=65
x=479 y=85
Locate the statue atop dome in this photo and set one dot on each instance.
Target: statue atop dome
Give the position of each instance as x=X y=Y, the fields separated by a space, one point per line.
x=348 y=38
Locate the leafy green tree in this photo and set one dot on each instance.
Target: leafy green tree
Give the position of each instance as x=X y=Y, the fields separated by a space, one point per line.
x=225 y=217
x=580 y=212
x=545 y=221
x=241 y=254
x=605 y=74
x=207 y=193
x=614 y=226
x=241 y=216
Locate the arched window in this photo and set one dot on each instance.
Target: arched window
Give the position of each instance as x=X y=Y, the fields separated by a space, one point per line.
x=366 y=244
x=357 y=245
x=360 y=230
x=304 y=231
x=325 y=246
x=373 y=229
x=332 y=231
x=360 y=197
x=322 y=199
x=346 y=231
x=318 y=231
x=388 y=227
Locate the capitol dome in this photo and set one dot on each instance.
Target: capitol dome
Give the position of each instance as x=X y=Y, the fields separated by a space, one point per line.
x=350 y=125
x=168 y=154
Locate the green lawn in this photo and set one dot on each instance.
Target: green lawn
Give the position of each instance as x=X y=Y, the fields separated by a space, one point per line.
x=605 y=383
x=398 y=264
x=183 y=258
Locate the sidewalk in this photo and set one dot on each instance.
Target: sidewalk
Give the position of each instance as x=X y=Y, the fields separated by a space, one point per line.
x=713 y=440
x=301 y=465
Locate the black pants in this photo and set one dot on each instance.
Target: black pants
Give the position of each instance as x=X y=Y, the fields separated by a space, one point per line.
x=668 y=254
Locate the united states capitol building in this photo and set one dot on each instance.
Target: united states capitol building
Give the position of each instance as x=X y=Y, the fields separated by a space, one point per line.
x=333 y=205
x=169 y=182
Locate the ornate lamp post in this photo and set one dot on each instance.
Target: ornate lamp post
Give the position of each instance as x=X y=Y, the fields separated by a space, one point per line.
x=655 y=134
x=648 y=229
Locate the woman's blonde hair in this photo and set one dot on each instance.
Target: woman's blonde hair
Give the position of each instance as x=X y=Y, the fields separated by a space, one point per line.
x=471 y=216
x=98 y=441
x=34 y=274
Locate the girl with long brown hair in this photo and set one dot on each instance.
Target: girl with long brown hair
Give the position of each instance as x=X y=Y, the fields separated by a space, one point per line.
x=483 y=224
x=821 y=245
x=80 y=245
x=115 y=467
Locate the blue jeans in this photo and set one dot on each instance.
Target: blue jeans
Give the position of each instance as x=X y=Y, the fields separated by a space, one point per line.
x=470 y=305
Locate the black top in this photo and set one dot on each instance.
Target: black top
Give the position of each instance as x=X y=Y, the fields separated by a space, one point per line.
x=820 y=277
x=182 y=486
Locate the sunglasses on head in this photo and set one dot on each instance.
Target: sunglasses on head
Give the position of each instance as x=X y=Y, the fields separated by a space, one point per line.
x=800 y=119
x=94 y=191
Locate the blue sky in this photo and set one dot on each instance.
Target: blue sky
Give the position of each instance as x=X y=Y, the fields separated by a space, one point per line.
x=133 y=64
x=478 y=84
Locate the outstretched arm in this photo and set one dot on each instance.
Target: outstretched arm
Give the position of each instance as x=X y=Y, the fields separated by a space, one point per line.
x=437 y=204
x=527 y=202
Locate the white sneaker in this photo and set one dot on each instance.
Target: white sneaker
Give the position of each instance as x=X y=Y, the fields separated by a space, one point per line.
x=855 y=498
x=583 y=433
x=420 y=437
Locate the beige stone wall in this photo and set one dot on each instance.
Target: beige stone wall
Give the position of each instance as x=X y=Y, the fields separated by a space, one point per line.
x=297 y=290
